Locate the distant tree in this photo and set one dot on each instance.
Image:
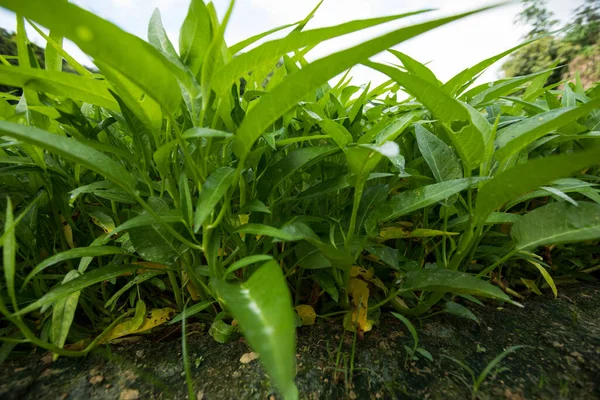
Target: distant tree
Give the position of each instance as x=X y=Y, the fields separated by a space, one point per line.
x=584 y=33
x=585 y=29
x=538 y=17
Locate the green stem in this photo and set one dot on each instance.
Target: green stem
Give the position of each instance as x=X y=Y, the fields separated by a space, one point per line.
x=494 y=265
x=176 y=290
x=358 y=191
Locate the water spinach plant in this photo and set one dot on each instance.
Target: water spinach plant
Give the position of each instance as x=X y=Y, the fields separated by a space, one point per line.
x=234 y=182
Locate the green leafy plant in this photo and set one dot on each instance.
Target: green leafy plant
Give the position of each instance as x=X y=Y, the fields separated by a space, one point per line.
x=411 y=352
x=159 y=181
x=477 y=380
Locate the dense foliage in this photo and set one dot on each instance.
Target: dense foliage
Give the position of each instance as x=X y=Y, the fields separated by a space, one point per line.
x=574 y=49
x=154 y=188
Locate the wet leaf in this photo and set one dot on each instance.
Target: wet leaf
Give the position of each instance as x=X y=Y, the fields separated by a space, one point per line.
x=439 y=156
x=154 y=243
x=262 y=305
x=97 y=37
x=557 y=223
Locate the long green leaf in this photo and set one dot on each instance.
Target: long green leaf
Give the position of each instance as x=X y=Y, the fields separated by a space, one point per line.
x=290 y=164
x=523 y=178
x=193 y=310
x=247 y=261
x=274 y=49
x=412 y=200
x=157 y=37
x=469 y=74
x=503 y=88
x=214 y=56
x=263 y=307
x=9 y=252
x=78 y=252
x=300 y=83
x=415 y=67
x=467 y=128
x=166 y=217
x=444 y=280
x=52 y=57
x=71 y=150
x=54 y=44
x=105 y=42
x=236 y=48
x=266 y=230
x=62 y=84
x=195 y=36
x=518 y=136
x=557 y=223
x=410 y=327
x=63 y=312
x=79 y=283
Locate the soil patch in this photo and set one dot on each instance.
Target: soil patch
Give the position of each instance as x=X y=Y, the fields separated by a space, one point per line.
x=562 y=360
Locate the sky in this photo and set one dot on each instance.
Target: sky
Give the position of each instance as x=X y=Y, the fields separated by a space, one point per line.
x=447 y=49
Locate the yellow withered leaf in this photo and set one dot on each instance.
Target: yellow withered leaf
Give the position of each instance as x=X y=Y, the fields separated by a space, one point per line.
x=156 y=317
x=367 y=275
x=140 y=322
x=102 y=220
x=125 y=328
x=190 y=286
x=68 y=232
x=359 y=291
x=394 y=232
x=431 y=233
x=531 y=286
x=221 y=252
x=400 y=232
x=244 y=218
x=307 y=314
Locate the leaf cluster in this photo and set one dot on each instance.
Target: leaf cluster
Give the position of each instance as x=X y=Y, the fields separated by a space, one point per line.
x=156 y=187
